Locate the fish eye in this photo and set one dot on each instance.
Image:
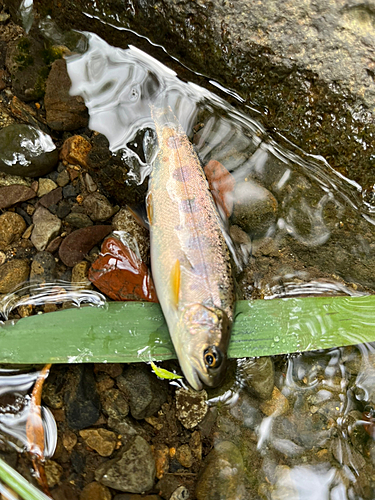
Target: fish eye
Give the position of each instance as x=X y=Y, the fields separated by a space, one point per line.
x=212 y=357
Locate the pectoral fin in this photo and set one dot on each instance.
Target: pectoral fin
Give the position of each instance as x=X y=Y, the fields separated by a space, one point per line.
x=149 y=208
x=175 y=282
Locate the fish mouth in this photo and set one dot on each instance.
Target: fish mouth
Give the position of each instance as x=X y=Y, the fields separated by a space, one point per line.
x=193 y=379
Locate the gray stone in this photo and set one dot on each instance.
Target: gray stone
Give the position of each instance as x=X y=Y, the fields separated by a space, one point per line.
x=46 y=227
x=12 y=226
x=26 y=151
x=145 y=392
x=78 y=220
x=125 y=221
x=98 y=207
x=222 y=475
x=114 y=404
x=255 y=208
x=43 y=268
x=133 y=470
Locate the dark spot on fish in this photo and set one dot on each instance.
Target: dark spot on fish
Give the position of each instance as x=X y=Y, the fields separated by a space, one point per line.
x=195 y=242
x=188 y=205
x=174 y=142
x=182 y=174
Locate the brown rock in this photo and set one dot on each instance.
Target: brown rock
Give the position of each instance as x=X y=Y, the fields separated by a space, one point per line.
x=79 y=274
x=12 y=273
x=95 y=491
x=63 y=111
x=184 y=456
x=161 y=455
x=102 y=441
x=46 y=227
x=54 y=472
x=276 y=405
x=45 y=186
x=75 y=151
x=12 y=226
x=51 y=198
x=10 y=195
x=221 y=184
x=78 y=243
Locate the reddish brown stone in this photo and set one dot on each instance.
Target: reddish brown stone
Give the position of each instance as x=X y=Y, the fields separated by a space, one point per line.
x=51 y=198
x=78 y=243
x=10 y=195
x=221 y=184
x=74 y=151
x=120 y=274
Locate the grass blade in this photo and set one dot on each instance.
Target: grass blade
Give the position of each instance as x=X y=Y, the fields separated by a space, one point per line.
x=19 y=484
x=136 y=331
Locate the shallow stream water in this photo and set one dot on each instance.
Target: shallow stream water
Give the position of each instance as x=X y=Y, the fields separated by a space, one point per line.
x=299 y=426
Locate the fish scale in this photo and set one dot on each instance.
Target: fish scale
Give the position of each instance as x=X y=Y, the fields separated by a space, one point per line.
x=189 y=256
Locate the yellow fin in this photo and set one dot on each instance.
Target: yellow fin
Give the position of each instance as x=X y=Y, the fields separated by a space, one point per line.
x=175 y=282
x=150 y=213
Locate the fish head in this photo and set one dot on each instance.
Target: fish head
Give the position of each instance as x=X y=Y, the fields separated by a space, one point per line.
x=203 y=334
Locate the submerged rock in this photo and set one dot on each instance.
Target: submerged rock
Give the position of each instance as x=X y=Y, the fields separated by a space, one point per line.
x=12 y=226
x=133 y=470
x=255 y=208
x=12 y=273
x=258 y=374
x=10 y=195
x=63 y=111
x=43 y=268
x=191 y=407
x=222 y=475
x=78 y=243
x=145 y=392
x=26 y=151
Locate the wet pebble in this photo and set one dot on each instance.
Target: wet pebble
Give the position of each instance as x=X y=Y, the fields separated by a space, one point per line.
x=79 y=275
x=101 y=440
x=222 y=474
x=78 y=243
x=145 y=392
x=69 y=440
x=12 y=226
x=95 y=491
x=78 y=220
x=70 y=191
x=120 y=274
x=12 y=273
x=10 y=195
x=114 y=403
x=161 y=456
x=82 y=404
x=63 y=111
x=125 y=221
x=258 y=374
x=184 y=456
x=255 y=208
x=54 y=471
x=51 y=198
x=63 y=178
x=181 y=493
x=45 y=186
x=63 y=208
x=276 y=405
x=46 y=227
x=26 y=151
x=133 y=470
x=43 y=268
x=97 y=207
x=191 y=407
x=75 y=150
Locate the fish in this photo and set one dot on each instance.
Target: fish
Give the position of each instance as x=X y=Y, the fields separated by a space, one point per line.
x=190 y=259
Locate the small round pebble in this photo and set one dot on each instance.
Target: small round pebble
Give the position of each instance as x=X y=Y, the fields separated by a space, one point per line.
x=12 y=273
x=12 y=226
x=95 y=491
